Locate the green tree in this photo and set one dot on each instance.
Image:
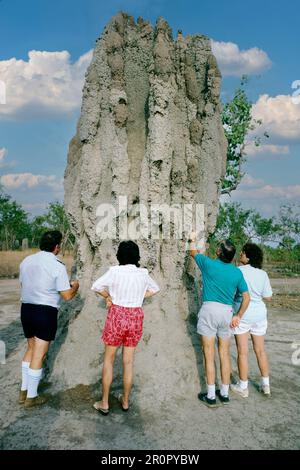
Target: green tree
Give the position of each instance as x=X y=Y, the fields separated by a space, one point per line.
x=233 y=222
x=14 y=223
x=289 y=225
x=264 y=229
x=237 y=122
x=279 y=236
x=54 y=219
x=38 y=227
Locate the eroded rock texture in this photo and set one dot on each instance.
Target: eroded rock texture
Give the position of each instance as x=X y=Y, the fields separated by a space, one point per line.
x=150 y=129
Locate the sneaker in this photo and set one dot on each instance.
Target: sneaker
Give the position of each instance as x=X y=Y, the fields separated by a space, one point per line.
x=265 y=390
x=22 y=396
x=244 y=393
x=222 y=398
x=210 y=402
x=36 y=401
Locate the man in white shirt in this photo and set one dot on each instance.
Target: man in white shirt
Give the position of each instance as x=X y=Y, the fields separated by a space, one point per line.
x=44 y=281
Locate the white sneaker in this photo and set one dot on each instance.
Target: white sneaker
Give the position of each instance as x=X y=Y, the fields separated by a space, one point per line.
x=244 y=393
x=265 y=389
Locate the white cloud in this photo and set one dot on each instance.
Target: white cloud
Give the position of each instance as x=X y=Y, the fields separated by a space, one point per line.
x=235 y=62
x=266 y=149
x=250 y=182
x=46 y=84
x=280 y=116
x=3 y=153
x=29 y=180
x=266 y=198
x=270 y=191
x=3 y=160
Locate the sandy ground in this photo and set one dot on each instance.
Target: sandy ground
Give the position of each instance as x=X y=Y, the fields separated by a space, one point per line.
x=68 y=421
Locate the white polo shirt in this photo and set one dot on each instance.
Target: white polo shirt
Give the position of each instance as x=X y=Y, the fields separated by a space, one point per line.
x=42 y=277
x=259 y=286
x=126 y=284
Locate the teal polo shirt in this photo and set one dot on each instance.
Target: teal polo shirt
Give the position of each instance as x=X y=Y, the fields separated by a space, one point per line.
x=221 y=281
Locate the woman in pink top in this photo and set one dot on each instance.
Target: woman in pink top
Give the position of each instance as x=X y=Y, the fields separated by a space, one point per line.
x=124 y=287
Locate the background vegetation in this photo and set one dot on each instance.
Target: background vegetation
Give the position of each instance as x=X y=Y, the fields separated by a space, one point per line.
x=16 y=225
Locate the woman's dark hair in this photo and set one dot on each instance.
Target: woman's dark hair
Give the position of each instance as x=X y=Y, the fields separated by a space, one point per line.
x=128 y=253
x=227 y=251
x=255 y=254
x=50 y=239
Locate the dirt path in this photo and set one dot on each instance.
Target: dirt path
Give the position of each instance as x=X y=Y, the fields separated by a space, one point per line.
x=68 y=421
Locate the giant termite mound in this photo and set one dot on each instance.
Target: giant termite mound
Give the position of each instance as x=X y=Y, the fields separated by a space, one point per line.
x=150 y=129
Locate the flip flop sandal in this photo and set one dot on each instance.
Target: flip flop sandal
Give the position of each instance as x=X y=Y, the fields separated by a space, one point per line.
x=103 y=411
x=120 y=400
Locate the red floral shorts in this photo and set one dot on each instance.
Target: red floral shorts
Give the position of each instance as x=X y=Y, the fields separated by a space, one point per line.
x=123 y=326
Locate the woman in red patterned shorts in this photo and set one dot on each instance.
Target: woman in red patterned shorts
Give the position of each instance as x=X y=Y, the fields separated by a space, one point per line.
x=124 y=287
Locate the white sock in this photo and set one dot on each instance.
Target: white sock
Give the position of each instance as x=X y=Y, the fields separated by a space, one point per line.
x=243 y=384
x=265 y=381
x=25 y=367
x=224 y=390
x=34 y=377
x=211 y=392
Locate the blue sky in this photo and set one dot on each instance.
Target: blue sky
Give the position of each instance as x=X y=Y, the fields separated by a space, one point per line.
x=260 y=39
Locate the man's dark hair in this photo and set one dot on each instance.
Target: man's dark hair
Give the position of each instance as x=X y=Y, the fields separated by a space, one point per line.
x=128 y=253
x=255 y=255
x=50 y=239
x=227 y=251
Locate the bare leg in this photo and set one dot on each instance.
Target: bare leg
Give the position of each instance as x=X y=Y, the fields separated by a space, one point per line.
x=28 y=353
x=128 y=356
x=242 y=359
x=262 y=359
x=107 y=375
x=225 y=363
x=208 y=347
x=40 y=349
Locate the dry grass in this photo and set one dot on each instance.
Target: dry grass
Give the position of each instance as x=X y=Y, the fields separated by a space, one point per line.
x=290 y=301
x=10 y=261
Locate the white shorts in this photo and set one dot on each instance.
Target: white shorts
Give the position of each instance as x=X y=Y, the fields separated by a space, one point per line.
x=257 y=329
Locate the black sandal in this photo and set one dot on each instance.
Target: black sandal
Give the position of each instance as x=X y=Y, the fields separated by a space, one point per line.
x=120 y=400
x=103 y=411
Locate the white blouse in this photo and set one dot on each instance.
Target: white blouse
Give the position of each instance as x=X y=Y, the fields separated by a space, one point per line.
x=126 y=284
x=259 y=286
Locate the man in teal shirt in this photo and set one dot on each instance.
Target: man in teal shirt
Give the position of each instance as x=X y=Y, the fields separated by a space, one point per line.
x=221 y=281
